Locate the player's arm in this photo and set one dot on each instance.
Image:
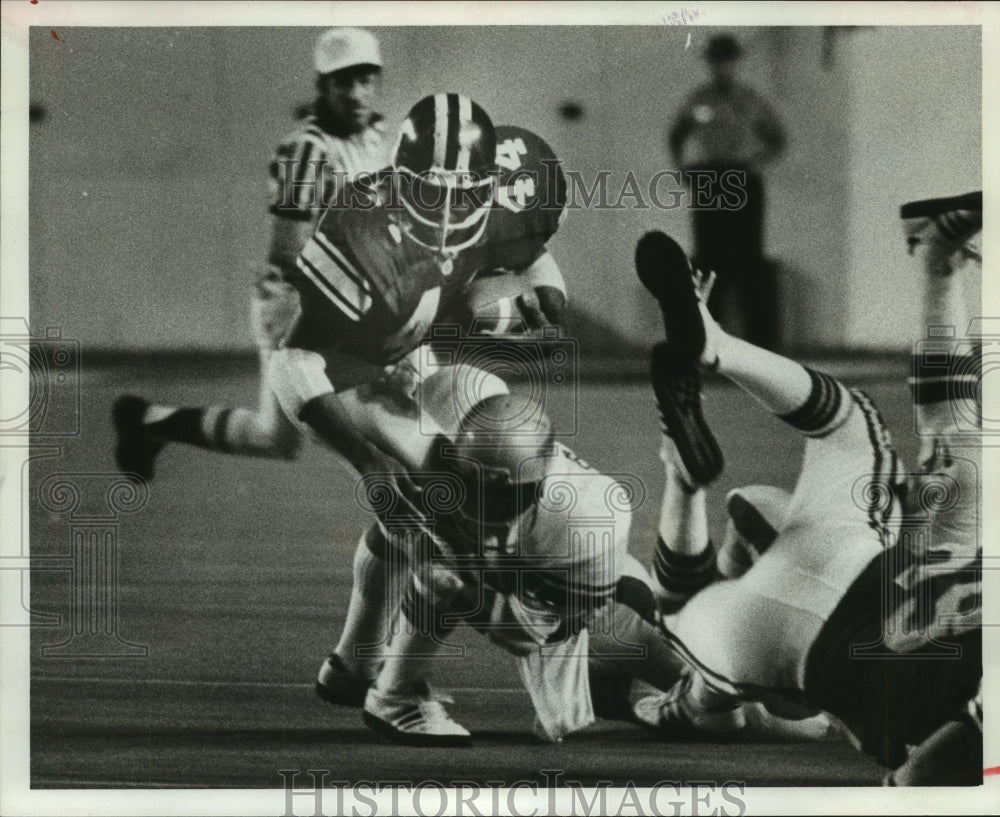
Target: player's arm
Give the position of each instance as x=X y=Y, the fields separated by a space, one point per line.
x=331 y=305
x=295 y=179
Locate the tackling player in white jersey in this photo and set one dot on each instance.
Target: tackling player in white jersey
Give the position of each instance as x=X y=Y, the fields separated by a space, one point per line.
x=527 y=543
x=340 y=139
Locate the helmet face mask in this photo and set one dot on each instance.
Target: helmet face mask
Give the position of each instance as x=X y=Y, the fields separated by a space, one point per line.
x=444 y=213
x=493 y=500
x=444 y=166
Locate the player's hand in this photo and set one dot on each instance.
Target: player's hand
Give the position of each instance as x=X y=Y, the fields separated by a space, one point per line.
x=389 y=489
x=535 y=320
x=399 y=382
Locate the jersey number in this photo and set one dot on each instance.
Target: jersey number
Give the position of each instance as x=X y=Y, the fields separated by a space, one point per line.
x=509 y=153
x=514 y=196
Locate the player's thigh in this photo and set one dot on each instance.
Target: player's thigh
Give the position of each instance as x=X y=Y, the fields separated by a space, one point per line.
x=848 y=476
x=718 y=630
x=750 y=632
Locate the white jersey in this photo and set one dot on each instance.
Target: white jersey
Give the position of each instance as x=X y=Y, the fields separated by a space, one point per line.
x=568 y=550
x=312 y=165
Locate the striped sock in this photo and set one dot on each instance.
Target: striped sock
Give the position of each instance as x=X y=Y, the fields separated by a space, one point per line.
x=203 y=427
x=678 y=576
x=946 y=375
x=824 y=410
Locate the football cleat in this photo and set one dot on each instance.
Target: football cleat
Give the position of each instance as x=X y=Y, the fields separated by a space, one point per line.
x=339 y=686
x=692 y=447
x=682 y=293
x=415 y=719
x=677 y=715
x=135 y=449
x=944 y=225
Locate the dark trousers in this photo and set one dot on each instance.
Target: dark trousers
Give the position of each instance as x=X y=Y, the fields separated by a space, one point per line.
x=730 y=242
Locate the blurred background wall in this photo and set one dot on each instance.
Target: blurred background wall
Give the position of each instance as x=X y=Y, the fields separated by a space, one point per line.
x=149 y=153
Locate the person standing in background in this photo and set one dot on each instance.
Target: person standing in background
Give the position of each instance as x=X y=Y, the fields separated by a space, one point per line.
x=341 y=137
x=722 y=137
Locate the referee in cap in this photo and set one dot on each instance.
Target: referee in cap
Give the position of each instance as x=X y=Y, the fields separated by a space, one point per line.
x=348 y=65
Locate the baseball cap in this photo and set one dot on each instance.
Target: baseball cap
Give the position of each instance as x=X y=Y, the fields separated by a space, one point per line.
x=341 y=48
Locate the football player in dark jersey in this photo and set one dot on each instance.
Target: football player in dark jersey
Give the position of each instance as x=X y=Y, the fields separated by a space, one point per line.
x=460 y=223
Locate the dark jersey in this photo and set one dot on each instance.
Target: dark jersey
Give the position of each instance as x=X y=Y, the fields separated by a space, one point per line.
x=901 y=653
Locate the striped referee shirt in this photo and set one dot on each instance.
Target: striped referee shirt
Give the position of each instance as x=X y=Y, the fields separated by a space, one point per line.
x=311 y=166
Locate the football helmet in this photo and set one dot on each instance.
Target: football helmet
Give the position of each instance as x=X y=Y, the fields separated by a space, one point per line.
x=444 y=166
x=503 y=452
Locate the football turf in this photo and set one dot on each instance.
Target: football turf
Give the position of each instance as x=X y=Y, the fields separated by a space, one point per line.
x=235 y=577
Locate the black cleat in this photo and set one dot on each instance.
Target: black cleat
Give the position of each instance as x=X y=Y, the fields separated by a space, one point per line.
x=945 y=224
x=135 y=449
x=928 y=208
x=339 y=686
x=677 y=386
x=666 y=272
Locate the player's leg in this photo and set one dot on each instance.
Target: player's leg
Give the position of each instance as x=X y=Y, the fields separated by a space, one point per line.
x=401 y=704
x=944 y=247
x=778 y=607
x=379 y=579
x=684 y=559
x=143 y=428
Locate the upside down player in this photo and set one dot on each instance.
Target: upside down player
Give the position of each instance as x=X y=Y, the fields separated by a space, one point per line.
x=824 y=618
x=342 y=137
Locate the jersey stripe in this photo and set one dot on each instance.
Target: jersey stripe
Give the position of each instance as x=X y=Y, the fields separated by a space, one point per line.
x=345 y=265
x=319 y=268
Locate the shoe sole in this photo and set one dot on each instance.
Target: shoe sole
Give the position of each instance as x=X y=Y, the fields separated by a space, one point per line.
x=664 y=270
x=928 y=208
x=386 y=729
x=698 y=449
x=348 y=700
